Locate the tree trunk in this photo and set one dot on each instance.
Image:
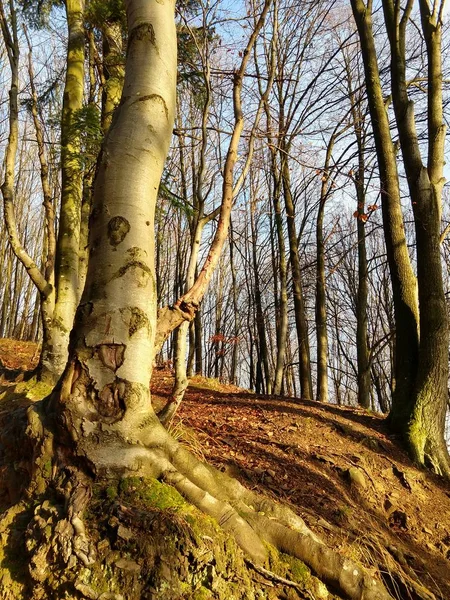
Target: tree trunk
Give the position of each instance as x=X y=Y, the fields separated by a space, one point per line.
x=425 y=426
x=68 y=243
x=235 y=348
x=263 y=359
x=113 y=70
x=321 y=297
x=282 y=316
x=362 y=347
x=403 y=280
x=112 y=348
x=299 y=303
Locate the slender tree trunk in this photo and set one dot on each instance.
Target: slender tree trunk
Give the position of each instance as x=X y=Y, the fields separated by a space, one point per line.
x=362 y=347
x=198 y=342
x=56 y=340
x=299 y=303
x=235 y=349
x=263 y=358
x=191 y=352
x=282 y=316
x=321 y=296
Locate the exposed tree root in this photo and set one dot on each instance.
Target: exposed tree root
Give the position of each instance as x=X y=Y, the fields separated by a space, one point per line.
x=274 y=577
x=426 y=453
x=252 y=520
x=57 y=530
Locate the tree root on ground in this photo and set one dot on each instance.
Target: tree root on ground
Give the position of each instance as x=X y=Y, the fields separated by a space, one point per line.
x=57 y=531
x=253 y=520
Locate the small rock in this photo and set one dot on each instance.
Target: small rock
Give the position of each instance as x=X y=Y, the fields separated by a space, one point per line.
x=103 y=545
x=125 y=533
x=72 y=562
x=86 y=590
x=356 y=478
x=127 y=565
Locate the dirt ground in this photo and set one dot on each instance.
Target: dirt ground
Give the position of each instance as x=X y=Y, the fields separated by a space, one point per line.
x=339 y=468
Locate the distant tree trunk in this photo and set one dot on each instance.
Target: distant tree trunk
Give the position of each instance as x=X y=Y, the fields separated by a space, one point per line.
x=235 y=348
x=380 y=388
x=198 y=342
x=321 y=296
x=299 y=303
x=6 y=294
x=191 y=352
x=282 y=317
x=263 y=359
x=362 y=346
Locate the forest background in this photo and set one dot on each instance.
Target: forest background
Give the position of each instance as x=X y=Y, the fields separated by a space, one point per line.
x=304 y=181
x=318 y=85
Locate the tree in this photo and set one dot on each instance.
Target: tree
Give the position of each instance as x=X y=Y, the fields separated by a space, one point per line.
x=58 y=282
x=99 y=421
x=420 y=398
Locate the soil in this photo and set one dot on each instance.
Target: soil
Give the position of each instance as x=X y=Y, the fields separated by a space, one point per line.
x=339 y=469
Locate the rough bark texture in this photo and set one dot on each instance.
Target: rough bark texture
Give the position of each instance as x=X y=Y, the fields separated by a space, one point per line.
x=425 y=425
x=404 y=285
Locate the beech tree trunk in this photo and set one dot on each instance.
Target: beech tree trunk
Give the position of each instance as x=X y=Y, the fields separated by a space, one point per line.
x=426 y=411
x=112 y=348
x=321 y=300
x=404 y=285
x=421 y=370
x=55 y=346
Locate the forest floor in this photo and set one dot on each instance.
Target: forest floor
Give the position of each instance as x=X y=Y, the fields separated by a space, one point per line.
x=338 y=468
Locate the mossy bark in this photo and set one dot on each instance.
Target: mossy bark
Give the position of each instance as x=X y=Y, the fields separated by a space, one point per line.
x=404 y=285
x=99 y=423
x=426 y=411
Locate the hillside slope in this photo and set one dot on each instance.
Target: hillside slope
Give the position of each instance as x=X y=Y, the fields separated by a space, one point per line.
x=337 y=467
